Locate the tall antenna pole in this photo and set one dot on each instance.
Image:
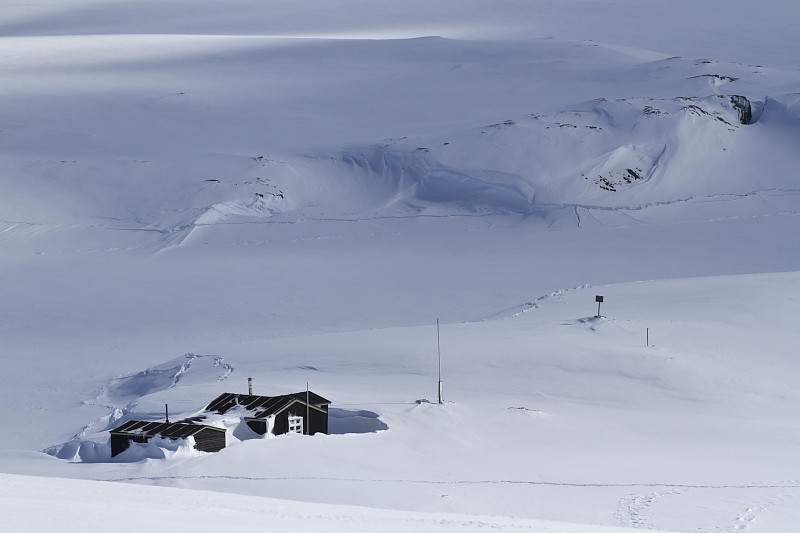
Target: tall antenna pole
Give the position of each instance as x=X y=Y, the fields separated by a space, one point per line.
x=439 y=349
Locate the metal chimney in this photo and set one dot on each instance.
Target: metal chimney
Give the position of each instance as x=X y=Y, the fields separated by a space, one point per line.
x=249 y=386
x=166 y=410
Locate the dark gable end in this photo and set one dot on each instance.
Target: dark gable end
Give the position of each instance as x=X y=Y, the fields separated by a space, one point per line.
x=209 y=439
x=261 y=408
x=263 y=404
x=314 y=414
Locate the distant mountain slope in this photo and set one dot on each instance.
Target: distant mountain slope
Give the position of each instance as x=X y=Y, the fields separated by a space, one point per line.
x=628 y=154
x=303 y=190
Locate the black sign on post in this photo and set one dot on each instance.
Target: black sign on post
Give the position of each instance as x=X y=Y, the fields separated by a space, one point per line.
x=599 y=300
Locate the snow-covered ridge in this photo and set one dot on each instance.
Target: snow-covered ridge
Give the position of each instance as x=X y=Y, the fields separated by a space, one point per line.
x=632 y=152
x=626 y=154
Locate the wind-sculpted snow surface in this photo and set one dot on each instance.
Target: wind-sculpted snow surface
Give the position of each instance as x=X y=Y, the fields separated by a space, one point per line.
x=140 y=396
x=415 y=182
x=187 y=370
x=624 y=154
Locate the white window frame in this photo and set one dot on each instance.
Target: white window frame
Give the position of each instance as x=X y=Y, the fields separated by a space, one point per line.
x=295 y=424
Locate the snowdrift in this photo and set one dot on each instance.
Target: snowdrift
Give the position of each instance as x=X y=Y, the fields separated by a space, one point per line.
x=626 y=154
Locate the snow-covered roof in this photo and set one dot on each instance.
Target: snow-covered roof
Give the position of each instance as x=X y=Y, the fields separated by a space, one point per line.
x=173 y=430
x=263 y=406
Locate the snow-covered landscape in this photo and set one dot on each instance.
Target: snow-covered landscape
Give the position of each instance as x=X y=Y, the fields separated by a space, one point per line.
x=198 y=193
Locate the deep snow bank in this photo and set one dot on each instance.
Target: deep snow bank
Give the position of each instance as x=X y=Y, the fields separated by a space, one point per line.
x=623 y=154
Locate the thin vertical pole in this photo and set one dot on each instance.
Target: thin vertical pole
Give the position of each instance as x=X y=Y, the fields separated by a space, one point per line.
x=648 y=337
x=439 y=350
x=308 y=416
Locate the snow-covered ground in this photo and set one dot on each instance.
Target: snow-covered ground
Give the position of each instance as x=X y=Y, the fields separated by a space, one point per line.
x=194 y=193
x=93 y=506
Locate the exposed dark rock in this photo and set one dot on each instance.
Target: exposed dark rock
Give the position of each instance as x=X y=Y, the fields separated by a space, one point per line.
x=716 y=77
x=505 y=123
x=635 y=175
x=742 y=106
x=696 y=110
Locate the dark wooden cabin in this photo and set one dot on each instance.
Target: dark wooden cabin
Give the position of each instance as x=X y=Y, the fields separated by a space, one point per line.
x=300 y=412
x=206 y=438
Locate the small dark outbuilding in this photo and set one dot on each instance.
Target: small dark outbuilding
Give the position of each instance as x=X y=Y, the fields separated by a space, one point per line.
x=206 y=438
x=300 y=412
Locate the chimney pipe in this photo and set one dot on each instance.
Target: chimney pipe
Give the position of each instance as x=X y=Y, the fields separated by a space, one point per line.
x=249 y=386
x=166 y=409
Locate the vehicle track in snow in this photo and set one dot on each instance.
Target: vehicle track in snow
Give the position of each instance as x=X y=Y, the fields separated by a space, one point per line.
x=668 y=488
x=177 y=235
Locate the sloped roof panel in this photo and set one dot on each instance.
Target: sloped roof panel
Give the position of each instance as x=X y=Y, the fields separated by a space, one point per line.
x=173 y=430
x=313 y=398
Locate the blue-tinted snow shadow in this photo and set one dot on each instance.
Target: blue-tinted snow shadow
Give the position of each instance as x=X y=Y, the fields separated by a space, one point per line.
x=341 y=421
